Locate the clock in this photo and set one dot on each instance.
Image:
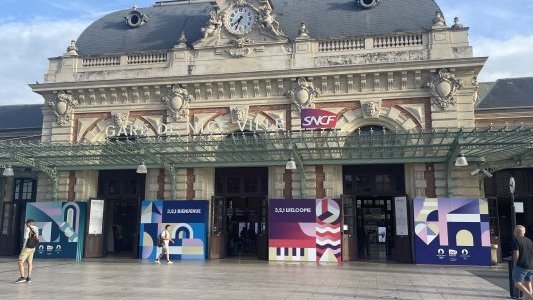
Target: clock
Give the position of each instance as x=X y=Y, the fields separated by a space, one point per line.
x=240 y=20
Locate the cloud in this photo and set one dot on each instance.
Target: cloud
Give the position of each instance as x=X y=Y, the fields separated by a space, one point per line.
x=24 y=52
x=507 y=58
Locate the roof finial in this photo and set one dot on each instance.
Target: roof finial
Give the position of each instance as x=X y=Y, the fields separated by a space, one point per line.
x=182 y=42
x=438 y=21
x=72 y=50
x=303 y=33
x=457 y=24
x=134 y=6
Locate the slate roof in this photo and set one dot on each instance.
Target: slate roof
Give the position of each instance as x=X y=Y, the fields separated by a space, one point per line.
x=508 y=93
x=325 y=19
x=18 y=117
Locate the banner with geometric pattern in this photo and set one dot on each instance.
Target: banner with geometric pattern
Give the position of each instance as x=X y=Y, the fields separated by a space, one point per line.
x=61 y=228
x=452 y=231
x=305 y=230
x=188 y=228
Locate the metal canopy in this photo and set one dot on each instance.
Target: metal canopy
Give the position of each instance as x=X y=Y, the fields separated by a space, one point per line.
x=328 y=147
x=274 y=148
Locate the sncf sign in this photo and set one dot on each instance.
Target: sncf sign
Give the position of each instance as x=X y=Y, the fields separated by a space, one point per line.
x=318 y=119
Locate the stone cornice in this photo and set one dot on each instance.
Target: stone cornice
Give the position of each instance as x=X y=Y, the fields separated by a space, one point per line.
x=476 y=62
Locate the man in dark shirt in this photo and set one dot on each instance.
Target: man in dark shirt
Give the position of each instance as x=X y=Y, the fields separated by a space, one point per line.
x=523 y=262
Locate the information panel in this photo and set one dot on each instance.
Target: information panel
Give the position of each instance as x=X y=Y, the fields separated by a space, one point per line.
x=96 y=216
x=61 y=228
x=452 y=231
x=400 y=212
x=188 y=221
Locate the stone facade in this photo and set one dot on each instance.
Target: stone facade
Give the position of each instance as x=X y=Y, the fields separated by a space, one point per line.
x=373 y=80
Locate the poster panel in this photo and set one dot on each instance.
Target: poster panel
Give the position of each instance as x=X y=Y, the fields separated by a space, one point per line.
x=188 y=221
x=61 y=228
x=452 y=231
x=96 y=216
x=400 y=213
x=304 y=230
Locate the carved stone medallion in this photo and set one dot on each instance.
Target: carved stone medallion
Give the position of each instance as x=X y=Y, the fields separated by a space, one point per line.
x=121 y=118
x=239 y=114
x=371 y=109
x=63 y=106
x=177 y=102
x=302 y=94
x=443 y=89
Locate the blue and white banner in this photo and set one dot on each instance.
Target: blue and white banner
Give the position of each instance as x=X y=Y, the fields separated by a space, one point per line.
x=452 y=231
x=188 y=231
x=61 y=228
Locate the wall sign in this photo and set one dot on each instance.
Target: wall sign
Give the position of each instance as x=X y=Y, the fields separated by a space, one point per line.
x=61 y=228
x=318 y=119
x=188 y=221
x=400 y=212
x=452 y=231
x=96 y=216
x=304 y=230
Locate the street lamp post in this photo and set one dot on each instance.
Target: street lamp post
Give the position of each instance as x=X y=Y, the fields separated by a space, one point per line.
x=512 y=188
x=515 y=293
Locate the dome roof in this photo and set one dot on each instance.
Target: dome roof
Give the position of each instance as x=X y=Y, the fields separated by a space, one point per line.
x=325 y=19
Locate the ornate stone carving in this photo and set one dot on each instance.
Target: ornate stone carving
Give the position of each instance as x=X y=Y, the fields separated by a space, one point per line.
x=213 y=27
x=302 y=94
x=72 y=50
x=371 y=109
x=182 y=42
x=177 y=102
x=439 y=21
x=121 y=118
x=462 y=52
x=475 y=84
x=240 y=50
x=443 y=88
x=367 y=3
x=372 y=58
x=63 y=106
x=303 y=32
x=239 y=114
x=457 y=24
x=135 y=18
x=268 y=20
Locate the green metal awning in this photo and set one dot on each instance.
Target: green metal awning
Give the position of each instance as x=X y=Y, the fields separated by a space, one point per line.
x=328 y=147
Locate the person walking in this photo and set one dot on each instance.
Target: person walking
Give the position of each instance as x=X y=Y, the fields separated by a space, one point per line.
x=165 y=238
x=31 y=239
x=523 y=262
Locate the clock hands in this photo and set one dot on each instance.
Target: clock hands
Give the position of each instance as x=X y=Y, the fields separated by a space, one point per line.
x=236 y=24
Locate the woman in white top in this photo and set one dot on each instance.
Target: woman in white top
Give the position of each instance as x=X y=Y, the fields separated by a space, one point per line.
x=165 y=236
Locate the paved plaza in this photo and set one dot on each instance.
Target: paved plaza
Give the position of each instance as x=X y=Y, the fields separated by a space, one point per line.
x=249 y=279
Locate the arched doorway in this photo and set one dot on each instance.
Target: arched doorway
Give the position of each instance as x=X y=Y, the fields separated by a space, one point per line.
x=240 y=205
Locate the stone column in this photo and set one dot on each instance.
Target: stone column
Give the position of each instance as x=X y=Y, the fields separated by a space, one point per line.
x=86 y=185
x=276 y=182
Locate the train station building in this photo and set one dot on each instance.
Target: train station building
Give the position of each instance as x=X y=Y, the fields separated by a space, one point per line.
x=373 y=103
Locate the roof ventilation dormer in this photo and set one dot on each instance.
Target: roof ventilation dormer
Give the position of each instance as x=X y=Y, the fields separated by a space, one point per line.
x=366 y=4
x=135 y=18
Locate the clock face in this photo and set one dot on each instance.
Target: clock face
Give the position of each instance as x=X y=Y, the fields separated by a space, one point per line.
x=240 y=20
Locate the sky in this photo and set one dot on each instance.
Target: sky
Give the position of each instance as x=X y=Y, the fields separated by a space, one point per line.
x=29 y=34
